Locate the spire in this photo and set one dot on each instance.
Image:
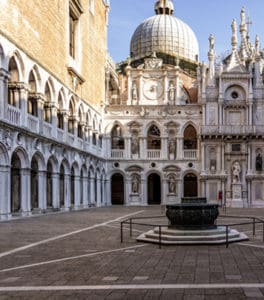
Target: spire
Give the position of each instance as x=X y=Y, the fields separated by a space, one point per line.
x=164 y=7
x=234 y=35
x=211 y=58
x=257 y=45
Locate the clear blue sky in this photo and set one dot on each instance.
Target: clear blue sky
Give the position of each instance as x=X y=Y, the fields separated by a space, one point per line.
x=203 y=16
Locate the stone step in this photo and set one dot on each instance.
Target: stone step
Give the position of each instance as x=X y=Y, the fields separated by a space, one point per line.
x=189 y=232
x=152 y=236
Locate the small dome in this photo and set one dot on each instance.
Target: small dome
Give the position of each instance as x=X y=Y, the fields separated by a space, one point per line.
x=164 y=33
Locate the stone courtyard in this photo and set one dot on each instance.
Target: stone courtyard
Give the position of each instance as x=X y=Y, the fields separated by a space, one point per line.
x=78 y=255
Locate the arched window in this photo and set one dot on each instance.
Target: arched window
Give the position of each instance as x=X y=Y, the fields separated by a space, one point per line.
x=80 y=124
x=190 y=138
x=13 y=91
x=154 y=140
x=32 y=99
x=117 y=139
x=60 y=122
x=71 y=118
x=47 y=106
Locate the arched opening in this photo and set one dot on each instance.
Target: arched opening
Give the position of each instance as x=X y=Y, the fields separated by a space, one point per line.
x=190 y=185
x=49 y=184
x=15 y=183
x=154 y=140
x=62 y=183
x=47 y=104
x=34 y=183
x=13 y=92
x=154 y=189
x=117 y=140
x=190 y=138
x=117 y=189
x=32 y=97
x=71 y=117
x=80 y=123
x=60 y=121
x=72 y=186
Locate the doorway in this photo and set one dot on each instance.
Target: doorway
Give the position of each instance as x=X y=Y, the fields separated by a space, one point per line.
x=117 y=189
x=190 y=185
x=154 y=189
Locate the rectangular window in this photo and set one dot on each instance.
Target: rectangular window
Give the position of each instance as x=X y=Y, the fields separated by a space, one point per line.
x=72 y=37
x=236 y=147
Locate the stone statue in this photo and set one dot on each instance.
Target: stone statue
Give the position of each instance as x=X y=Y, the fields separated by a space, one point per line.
x=134 y=145
x=171 y=147
x=259 y=162
x=134 y=91
x=135 y=184
x=172 y=185
x=171 y=92
x=236 y=169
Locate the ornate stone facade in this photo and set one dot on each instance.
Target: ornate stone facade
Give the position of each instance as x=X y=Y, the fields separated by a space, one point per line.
x=152 y=130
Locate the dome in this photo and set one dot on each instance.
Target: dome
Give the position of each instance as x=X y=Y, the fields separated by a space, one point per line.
x=164 y=33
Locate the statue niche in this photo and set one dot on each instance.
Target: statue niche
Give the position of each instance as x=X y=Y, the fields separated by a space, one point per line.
x=135 y=184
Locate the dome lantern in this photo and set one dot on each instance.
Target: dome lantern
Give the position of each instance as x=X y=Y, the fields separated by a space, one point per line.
x=164 y=7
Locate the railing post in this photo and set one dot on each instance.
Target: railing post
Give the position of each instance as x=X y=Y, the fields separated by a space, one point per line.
x=130 y=227
x=159 y=236
x=226 y=236
x=254 y=226
x=121 y=232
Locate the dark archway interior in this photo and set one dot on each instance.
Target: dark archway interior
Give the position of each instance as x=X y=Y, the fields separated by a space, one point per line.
x=190 y=185
x=117 y=188
x=154 y=189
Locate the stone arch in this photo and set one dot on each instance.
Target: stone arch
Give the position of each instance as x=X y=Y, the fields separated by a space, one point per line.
x=117 y=188
x=154 y=187
x=235 y=92
x=61 y=103
x=190 y=139
x=154 y=137
x=190 y=183
x=4 y=157
x=16 y=166
x=2 y=55
x=16 y=64
x=117 y=136
x=23 y=156
x=40 y=160
x=63 y=186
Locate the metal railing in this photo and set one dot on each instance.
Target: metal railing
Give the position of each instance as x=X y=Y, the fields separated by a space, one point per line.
x=133 y=221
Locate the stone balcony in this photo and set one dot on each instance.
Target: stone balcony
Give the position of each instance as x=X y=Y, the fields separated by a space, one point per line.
x=230 y=129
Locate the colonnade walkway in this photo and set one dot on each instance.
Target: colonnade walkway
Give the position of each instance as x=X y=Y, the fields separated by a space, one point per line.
x=78 y=255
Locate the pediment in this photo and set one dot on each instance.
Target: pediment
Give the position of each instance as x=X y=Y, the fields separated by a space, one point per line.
x=172 y=168
x=134 y=168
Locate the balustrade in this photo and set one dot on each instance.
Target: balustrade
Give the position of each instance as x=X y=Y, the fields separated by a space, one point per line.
x=190 y=154
x=13 y=115
x=153 y=154
x=33 y=123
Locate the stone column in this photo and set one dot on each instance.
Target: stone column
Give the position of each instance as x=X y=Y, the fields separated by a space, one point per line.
x=203 y=158
x=92 y=196
x=77 y=191
x=165 y=82
x=180 y=149
x=67 y=191
x=129 y=86
x=98 y=192
x=4 y=76
x=55 y=190
x=5 y=192
x=108 y=192
x=144 y=191
x=25 y=192
x=54 y=110
x=23 y=95
x=42 y=189
x=164 y=148
x=41 y=113
x=85 y=191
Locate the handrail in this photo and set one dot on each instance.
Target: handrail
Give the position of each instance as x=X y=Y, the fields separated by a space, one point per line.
x=254 y=221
